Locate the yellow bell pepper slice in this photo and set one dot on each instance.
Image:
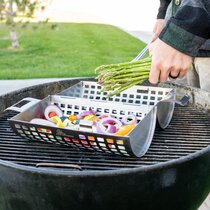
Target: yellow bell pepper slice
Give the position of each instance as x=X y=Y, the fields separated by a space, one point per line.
x=58 y=121
x=90 y=117
x=125 y=130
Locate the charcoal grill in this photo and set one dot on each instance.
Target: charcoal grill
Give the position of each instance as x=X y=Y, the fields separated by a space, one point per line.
x=173 y=174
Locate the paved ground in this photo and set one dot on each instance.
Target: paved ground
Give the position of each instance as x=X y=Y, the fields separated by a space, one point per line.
x=7 y=86
x=144 y=36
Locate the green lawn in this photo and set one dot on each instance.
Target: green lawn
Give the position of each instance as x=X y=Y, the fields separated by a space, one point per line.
x=74 y=49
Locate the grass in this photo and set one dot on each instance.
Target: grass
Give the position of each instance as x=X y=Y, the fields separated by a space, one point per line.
x=73 y=50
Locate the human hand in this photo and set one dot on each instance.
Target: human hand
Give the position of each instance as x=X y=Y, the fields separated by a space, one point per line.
x=157 y=29
x=166 y=61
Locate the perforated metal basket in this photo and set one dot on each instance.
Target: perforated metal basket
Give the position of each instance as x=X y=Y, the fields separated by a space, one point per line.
x=143 y=101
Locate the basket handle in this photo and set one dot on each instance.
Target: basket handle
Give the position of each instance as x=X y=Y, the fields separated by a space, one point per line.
x=183 y=101
x=23 y=104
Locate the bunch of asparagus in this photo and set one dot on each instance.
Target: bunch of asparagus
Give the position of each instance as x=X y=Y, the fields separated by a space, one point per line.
x=116 y=78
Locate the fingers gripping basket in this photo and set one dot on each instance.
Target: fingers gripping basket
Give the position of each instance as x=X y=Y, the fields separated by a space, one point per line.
x=144 y=102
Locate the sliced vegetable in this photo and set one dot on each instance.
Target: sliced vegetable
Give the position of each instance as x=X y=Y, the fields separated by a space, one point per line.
x=52 y=114
x=125 y=130
x=104 y=129
x=111 y=121
x=107 y=125
x=90 y=117
x=58 y=121
x=129 y=119
x=52 y=109
x=111 y=128
x=88 y=121
x=85 y=113
x=66 y=121
x=106 y=115
x=72 y=118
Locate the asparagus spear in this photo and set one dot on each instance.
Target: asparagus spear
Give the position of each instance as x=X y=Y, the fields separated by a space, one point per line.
x=116 y=78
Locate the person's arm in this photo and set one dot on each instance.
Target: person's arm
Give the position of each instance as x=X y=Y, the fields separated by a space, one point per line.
x=159 y=24
x=189 y=28
x=180 y=40
x=162 y=8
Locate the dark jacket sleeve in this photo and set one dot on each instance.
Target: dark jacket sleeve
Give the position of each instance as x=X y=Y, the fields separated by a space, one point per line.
x=189 y=28
x=162 y=8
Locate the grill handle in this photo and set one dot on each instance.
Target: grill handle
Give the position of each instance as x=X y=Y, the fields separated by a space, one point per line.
x=59 y=165
x=23 y=105
x=183 y=101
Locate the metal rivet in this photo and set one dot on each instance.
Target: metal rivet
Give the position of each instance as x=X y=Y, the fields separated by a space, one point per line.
x=177 y=2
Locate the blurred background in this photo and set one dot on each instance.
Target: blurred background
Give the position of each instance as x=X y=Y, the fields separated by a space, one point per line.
x=70 y=38
x=132 y=15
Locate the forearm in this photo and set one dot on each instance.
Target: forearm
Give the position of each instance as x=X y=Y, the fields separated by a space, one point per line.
x=189 y=28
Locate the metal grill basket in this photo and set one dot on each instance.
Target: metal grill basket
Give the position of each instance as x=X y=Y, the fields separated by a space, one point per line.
x=147 y=103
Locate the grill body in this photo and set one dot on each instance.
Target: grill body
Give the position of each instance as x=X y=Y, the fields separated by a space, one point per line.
x=182 y=186
x=174 y=174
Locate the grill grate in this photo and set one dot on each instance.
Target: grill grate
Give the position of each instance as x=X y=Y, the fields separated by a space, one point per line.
x=188 y=132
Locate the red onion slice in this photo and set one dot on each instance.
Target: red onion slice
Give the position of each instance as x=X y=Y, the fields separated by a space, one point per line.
x=106 y=115
x=85 y=113
x=111 y=121
x=108 y=125
x=105 y=129
x=129 y=120
x=111 y=128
